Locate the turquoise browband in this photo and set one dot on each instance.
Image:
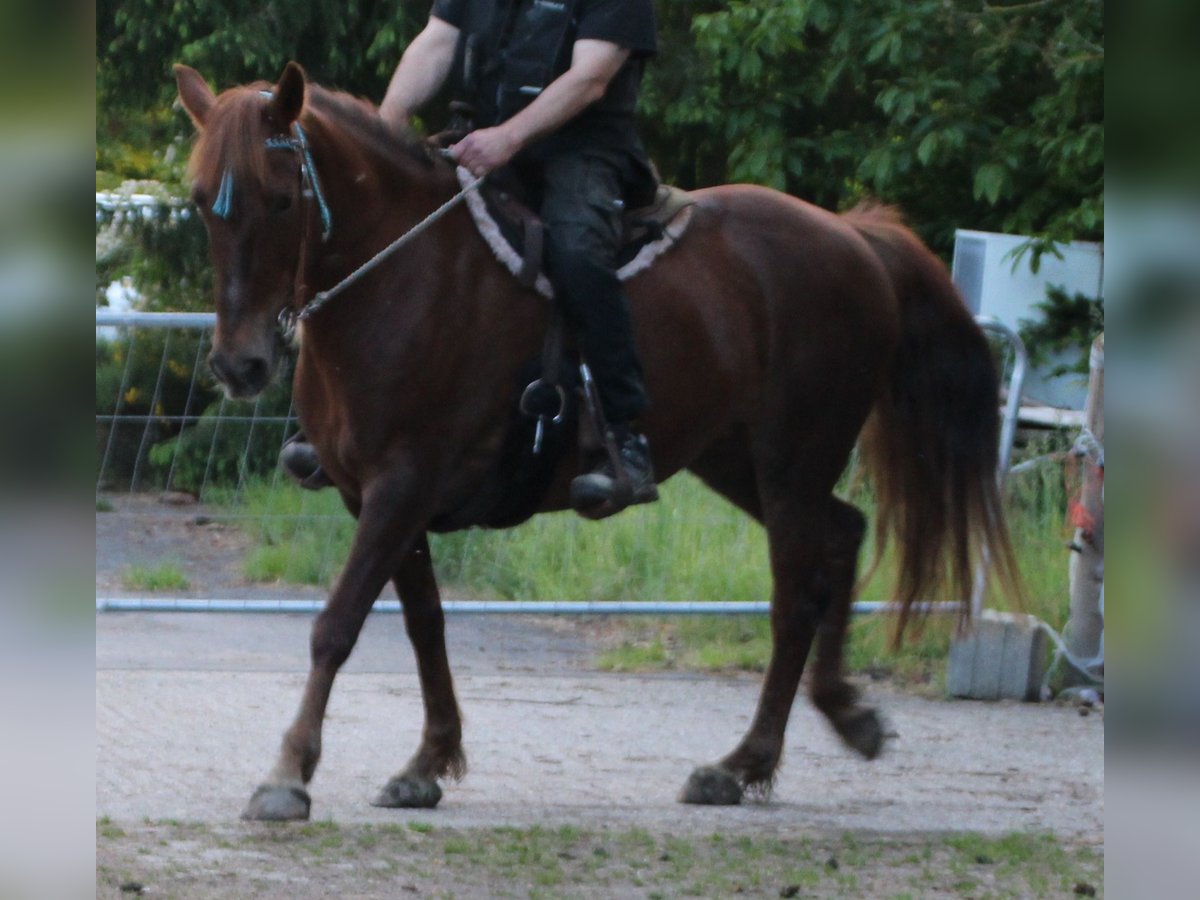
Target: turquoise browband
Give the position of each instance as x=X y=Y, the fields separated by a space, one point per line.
x=223 y=205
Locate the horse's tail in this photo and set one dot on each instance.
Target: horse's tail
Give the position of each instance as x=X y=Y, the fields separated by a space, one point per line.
x=931 y=444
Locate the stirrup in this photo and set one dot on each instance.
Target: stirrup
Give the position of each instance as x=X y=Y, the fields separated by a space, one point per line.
x=610 y=488
x=606 y=491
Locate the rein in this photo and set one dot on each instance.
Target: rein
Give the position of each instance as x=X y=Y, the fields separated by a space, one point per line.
x=324 y=297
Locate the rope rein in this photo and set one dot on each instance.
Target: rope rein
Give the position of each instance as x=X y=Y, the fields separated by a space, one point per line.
x=311 y=187
x=324 y=297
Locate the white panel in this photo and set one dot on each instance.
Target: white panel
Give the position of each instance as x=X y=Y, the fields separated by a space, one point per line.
x=996 y=284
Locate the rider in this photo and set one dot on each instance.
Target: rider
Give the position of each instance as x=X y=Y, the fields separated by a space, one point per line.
x=553 y=85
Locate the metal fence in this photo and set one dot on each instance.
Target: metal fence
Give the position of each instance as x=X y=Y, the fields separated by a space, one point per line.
x=169 y=350
x=167 y=436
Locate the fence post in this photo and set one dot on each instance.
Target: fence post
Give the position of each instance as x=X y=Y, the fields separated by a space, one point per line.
x=1084 y=632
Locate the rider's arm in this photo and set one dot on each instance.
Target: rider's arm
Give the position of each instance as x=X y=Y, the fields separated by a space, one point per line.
x=593 y=65
x=421 y=73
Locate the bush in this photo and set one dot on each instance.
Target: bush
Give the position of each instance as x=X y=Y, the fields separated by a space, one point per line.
x=230 y=442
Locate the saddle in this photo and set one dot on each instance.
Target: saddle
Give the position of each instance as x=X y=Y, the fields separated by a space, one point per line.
x=515 y=233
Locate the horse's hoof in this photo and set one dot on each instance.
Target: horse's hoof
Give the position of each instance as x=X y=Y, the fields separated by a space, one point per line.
x=277 y=803
x=408 y=792
x=711 y=786
x=862 y=730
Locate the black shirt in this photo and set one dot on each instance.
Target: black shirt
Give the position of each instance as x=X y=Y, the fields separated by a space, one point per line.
x=608 y=121
x=626 y=23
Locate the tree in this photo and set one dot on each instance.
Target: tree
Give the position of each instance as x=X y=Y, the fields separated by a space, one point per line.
x=965 y=113
x=985 y=115
x=349 y=44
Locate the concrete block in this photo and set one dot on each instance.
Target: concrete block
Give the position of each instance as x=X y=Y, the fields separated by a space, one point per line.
x=1002 y=658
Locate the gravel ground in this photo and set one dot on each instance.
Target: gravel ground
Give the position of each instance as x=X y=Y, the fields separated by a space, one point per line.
x=190 y=709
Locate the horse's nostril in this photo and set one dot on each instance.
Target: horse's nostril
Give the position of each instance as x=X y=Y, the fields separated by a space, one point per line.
x=242 y=377
x=219 y=366
x=256 y=372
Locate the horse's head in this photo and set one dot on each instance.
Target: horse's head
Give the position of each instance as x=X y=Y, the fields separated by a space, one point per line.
x=247 y=173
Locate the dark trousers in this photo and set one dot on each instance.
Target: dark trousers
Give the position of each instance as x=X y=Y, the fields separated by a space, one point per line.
x=579 y=198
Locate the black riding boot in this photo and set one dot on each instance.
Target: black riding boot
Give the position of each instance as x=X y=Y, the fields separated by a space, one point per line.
x=299 y=460
x=600 y=492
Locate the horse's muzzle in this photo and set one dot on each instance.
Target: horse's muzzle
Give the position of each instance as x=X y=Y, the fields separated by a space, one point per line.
x=244 y=377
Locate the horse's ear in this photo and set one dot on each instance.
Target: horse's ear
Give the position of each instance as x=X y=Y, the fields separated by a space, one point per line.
x=289 y=95
x=194 y=93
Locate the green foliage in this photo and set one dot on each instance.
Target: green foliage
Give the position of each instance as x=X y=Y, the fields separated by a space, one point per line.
x=228 y=443
x=963 y=114
x=691 y=546
x=350 y=44
x=966 y=114
x=301 y=537
x=163 y=577
x=145 y=384
x=162 y=247
x=1070 y=322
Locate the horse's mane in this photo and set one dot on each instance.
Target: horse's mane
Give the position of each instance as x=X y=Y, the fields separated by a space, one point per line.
x=232 y=136
x=360 y=119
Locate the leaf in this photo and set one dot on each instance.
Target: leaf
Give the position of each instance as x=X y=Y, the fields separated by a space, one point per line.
x=927 y=148
x=990 y=179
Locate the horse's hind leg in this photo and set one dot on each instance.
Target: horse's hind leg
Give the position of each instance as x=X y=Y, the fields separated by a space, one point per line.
x=440 y=753
x=796 y=530
x=858 y=726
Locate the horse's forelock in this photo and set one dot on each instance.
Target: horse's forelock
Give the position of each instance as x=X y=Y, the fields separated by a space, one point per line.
x=233 y=139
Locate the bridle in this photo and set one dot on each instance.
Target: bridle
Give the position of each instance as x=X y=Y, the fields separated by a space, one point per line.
x=310 y=189
x=310 y=192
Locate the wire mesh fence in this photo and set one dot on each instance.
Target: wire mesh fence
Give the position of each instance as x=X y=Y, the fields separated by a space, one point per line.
x=172 y=447
x=174 y=453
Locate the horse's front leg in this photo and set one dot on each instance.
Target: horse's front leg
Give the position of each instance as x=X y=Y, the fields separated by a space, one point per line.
x=383 y=538
x=440 y=753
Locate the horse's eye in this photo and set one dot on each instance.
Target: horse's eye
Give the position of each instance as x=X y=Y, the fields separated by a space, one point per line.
x=279 y=203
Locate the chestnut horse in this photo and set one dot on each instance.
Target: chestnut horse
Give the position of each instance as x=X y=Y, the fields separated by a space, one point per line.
x=768 y=336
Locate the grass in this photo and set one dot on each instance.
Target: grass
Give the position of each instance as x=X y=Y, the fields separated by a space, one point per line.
x=162 y=577
x=301 y=537
x=691 y=546
x=569 y=861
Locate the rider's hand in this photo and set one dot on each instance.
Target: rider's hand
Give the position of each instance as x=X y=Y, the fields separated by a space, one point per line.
x=484 y=150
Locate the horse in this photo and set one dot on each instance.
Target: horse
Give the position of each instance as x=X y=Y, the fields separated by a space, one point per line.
x=775 y=336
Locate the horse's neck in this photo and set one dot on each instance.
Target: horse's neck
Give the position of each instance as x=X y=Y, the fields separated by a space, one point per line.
x=373 y=201
x=377 y=197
